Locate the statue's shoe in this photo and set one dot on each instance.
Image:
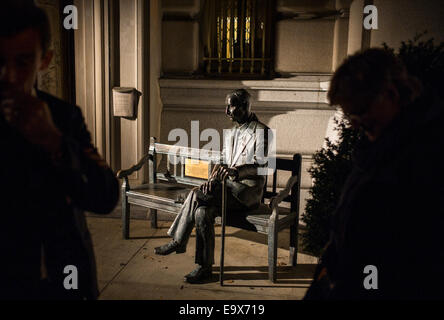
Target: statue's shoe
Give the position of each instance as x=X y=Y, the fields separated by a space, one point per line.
x=168 y=248
x=199 y=275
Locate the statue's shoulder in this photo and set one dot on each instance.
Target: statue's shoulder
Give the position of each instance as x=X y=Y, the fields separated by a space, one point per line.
x=256 y=124
x=260 y=125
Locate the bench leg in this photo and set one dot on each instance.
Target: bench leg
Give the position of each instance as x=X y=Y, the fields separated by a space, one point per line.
x=125 y=213
x=272 y=253
x=293 y=245
x=153 y=218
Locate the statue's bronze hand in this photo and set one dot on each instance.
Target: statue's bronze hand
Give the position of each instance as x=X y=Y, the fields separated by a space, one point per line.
x=223 y=173
x=212 y=180
x=214 y=172
x=208 y=186
x=204 y=187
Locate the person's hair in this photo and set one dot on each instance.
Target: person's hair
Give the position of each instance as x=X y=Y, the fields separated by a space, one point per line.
x=19 y=15
x=365 y=75
x=239 y=97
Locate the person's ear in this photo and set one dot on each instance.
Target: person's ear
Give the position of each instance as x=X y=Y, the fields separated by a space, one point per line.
x=46 y=60
x=393 y=94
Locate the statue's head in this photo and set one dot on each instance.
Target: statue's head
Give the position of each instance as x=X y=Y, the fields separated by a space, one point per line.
x=238 y=106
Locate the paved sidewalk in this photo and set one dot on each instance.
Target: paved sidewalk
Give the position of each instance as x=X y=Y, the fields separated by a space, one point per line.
x=129 y=269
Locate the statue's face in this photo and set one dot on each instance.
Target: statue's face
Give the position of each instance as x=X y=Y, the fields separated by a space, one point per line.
x=237 y=112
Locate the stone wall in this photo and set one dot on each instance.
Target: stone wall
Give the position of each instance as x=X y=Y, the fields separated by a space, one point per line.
x=305 y=36
x=401 y=20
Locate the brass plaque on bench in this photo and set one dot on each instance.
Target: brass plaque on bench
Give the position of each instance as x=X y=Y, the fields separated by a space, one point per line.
x=196 y=170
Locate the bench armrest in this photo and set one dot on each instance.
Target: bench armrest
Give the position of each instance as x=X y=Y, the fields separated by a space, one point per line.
x=282 y=194
x=125 y=173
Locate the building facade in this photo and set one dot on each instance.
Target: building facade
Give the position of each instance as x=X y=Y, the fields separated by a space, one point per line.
x=163 y=48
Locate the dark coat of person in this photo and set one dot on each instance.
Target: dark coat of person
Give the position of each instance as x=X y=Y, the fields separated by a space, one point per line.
x=43 y=204
x=391 y=215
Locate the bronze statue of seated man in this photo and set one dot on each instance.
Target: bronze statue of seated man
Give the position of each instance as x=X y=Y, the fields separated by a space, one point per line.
x=244 y=152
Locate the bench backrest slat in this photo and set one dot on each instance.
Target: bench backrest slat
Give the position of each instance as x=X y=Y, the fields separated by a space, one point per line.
x=187 y=180
x=186 y=152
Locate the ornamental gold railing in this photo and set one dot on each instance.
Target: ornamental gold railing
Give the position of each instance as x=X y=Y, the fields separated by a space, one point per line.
x=237 y=37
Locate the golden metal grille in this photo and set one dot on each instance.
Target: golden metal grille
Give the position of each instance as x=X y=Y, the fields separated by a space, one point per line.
x=238 y=36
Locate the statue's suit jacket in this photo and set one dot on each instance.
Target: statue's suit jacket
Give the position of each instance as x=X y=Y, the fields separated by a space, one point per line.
x=250 y=154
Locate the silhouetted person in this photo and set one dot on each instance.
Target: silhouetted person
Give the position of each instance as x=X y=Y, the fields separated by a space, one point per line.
x=244 y=152
x=49 y=170
x=387 y=231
